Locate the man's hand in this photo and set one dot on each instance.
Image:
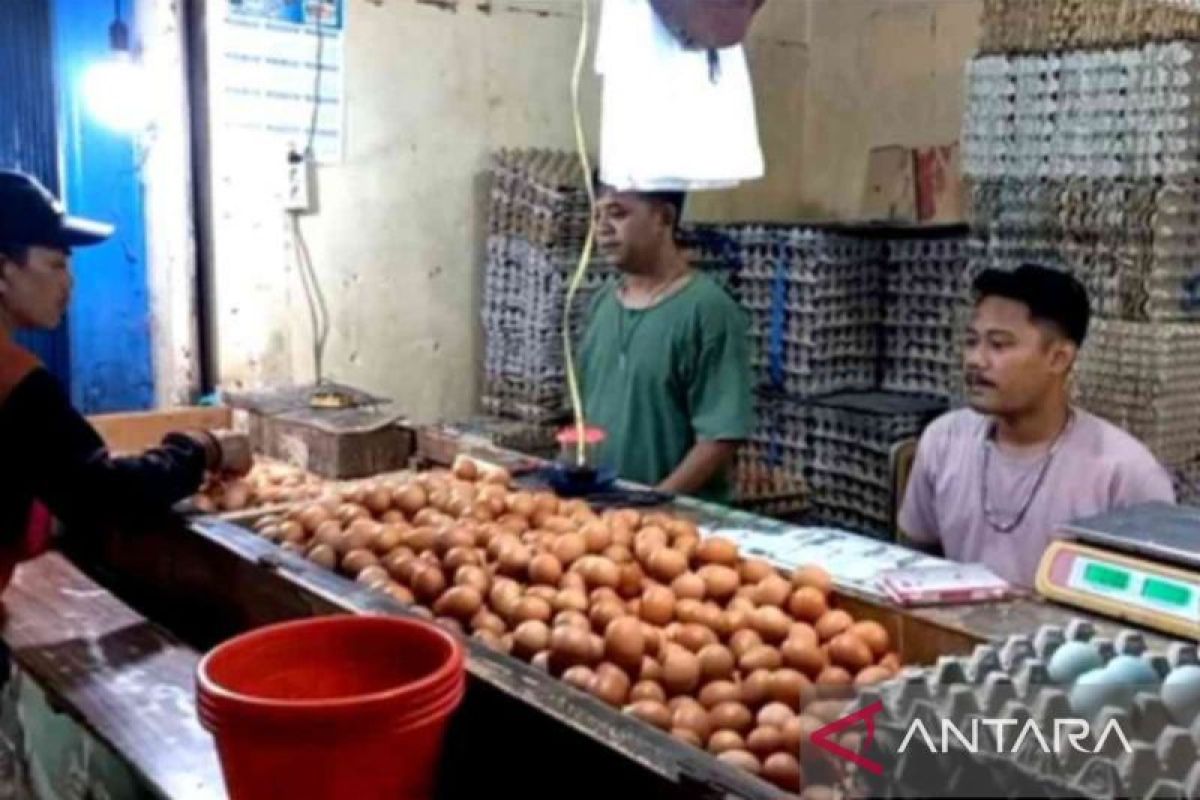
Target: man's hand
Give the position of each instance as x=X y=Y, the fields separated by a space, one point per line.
x=699 y=466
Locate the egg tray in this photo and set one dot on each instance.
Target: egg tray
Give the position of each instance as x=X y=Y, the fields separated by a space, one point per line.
x=1186 y=479
x=1129 y=243
x=1145 y=377
x=1010 y=680
x=1118 y=114
x=1014 y=26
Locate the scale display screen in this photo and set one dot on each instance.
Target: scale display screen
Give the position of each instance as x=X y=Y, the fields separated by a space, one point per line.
x=1136 y=587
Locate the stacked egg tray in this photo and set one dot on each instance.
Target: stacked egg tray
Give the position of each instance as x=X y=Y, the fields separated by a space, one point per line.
x=815 y=305
x=925 y=290
x=1059 y=674
x=770 y=465
x=1015 y=26
x=1186 y=478
x=1145 y=377
x=1089 y=161
x=538 y=196
x=850 y=440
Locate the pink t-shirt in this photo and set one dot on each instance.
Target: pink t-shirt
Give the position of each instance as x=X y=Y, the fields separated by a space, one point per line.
x=1096 y=467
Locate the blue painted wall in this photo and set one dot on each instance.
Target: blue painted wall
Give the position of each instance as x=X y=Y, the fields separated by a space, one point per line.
x=109 y=319
x=28 y=136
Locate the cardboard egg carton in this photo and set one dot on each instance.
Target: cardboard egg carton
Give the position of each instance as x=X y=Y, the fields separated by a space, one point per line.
x=1011 y=681
x=1115 y=114
x=1145 y=377
x=1016 y=26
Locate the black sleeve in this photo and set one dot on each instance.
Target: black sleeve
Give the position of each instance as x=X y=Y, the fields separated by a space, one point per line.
x=69 y=469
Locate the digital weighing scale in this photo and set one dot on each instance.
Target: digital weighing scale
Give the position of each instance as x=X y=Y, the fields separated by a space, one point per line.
x=1140 y=564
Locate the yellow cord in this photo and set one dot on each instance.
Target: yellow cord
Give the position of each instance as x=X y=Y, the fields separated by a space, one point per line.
x=588 y=243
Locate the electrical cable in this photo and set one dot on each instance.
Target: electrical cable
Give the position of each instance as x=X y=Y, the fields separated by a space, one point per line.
x=316 y=99
x=588 y=244
x=318 y=311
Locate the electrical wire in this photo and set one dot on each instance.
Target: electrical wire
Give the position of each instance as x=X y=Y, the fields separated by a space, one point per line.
x=316 y=99
x=588 y=244
x=318 y=311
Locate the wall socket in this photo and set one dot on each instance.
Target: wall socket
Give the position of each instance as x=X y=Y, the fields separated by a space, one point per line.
x=300 y=186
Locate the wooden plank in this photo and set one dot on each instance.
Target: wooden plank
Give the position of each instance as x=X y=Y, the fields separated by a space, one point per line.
x=126 y=681
x=134 y=432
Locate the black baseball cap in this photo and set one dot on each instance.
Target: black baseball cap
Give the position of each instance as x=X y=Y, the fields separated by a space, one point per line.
x=31 y=216
x=1051 y=295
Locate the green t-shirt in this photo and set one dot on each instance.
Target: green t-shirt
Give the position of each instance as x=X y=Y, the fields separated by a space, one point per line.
x=660 y=379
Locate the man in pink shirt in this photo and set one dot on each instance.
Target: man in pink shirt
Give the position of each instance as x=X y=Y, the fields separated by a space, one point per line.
x=991 y=483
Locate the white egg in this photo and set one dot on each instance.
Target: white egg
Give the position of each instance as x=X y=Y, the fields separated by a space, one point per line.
x=1181 y=694
x=1071 y=660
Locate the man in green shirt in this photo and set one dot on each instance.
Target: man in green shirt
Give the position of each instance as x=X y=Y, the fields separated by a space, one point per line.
x=665 y=362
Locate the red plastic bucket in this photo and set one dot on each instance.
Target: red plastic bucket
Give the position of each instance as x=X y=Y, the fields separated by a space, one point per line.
x=332 y=707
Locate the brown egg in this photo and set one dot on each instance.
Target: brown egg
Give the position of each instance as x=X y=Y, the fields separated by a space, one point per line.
x=743 y=641
x=666 y=564
x=465 y=468
x=775 y=714
x=793 y=739
x=681 y=671
x=733 y=620
x=557 y=524
x=693 y=718
x=648 y=541
x=717 y=550
x=803 y=632
x=400 y=593
x=530 y=638
x=503 y=596
x=601 y=572
x=764 y=740
x=694 y=637
x=762 y=656
x=874 y=636
x=720 y=582
x=624 y=643
x=658 y=605
x=721 y=691
x=461 y=556
x=783 y=770
x=610 y=685
x=460 y=602
x=473 y=576
x=514 y=560
x=732 y=716
x=410 y=499
x=313 y=517
x=532 y=608
x=604 y=595
x=847 y=650
x=872 y=675
x=756 y=688
x=688 y=586
x=725 y=741
x=834 y=676
x=890 y=662
x=569 y=647
x=604 y=612
x=833 y=623
x=545 y=569
x=378 y=501
x=814 y=576
x=486 y=620
x=574 y=619
x=570 y=600
x=597 y=645
x=650 y=711
x=772 y=590
x=753 y=570
x=427 y=582
x=771 y=623
x=805 y=657
x=807 y=604
x=374 y=577
x=619 y=554
x=573 y=580
x=651 y=670
x=716 y=663
x=388 y=539
x=647 y=690
x=790 y=687
x=419 y=539
x=324 y=555
x=580 y=677
x=742 y=760
x=631 y=580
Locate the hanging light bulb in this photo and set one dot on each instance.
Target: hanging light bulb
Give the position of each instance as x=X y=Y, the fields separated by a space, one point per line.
x=115 y=89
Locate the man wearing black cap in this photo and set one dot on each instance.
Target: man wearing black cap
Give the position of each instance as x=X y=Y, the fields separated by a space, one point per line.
x=992 y=482
x=51 y=459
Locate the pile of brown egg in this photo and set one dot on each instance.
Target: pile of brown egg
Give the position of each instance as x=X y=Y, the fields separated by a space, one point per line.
x=269 y=483
x=680 y=631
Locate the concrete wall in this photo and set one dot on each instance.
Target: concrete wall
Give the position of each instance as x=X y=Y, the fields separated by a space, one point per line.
x=881 y=72
x=433 y=88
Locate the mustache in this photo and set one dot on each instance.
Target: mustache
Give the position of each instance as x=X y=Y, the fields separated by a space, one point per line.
x=974 y=379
